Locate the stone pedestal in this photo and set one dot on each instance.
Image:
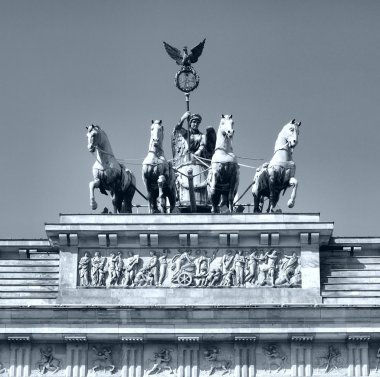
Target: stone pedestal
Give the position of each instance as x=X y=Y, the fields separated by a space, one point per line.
x=301 y=357
x=245 y=356
x=358 y=356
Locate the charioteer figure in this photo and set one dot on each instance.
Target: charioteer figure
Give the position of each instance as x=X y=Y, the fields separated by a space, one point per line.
x=201 y=145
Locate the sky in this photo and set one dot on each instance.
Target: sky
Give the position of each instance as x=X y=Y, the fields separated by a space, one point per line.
x=67 y=64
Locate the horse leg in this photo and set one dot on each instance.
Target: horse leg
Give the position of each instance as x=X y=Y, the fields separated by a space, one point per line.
x=161 y=183
x=224 y=203
x=93 y=185
x=293 y=183
x=117 y=202
x=128 y=196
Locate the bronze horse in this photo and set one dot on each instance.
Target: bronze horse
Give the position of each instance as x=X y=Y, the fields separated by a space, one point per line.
x=109 y=174
x=277 y=175
x=158 y=173
x=223 y=178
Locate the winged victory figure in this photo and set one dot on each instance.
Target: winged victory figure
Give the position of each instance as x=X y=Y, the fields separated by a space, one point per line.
x=184 y=58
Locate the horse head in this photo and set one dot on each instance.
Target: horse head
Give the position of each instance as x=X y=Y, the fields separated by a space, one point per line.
x=93 y=137
x=226 y=126
x=156 y=136
x=288 y=137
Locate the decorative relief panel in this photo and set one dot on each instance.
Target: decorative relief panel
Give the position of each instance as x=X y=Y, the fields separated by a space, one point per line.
x=186 y=359
x=250 y=268
x=330 y=359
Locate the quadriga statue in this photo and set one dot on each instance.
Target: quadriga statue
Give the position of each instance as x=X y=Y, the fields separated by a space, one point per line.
x=157 y=172
x=109 y=174
x=277 y=175
x=223 y=178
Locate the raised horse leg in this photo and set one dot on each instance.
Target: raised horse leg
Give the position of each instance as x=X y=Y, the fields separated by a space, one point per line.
x=93 y=185
x=294 y=184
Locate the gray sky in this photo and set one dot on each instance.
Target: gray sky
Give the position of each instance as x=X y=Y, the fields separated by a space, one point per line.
x=67 y=64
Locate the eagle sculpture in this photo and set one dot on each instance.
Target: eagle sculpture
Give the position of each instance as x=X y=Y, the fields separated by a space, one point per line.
x=184 y=58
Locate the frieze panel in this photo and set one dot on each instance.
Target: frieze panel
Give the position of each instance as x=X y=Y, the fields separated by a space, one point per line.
x=273 y=358
x=136 y=268
x=330 y=359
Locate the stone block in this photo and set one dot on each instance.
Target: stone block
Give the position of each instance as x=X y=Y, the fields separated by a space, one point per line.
x=102 y=240
x=182 y=239
x=193 y=239
x=143 y=239
x=314 y=238
x=153 y=240
x=304 y=238
x=275 y=239
x=23 y=253
x=264 y=239
x=223 y=240
x=113 y=240
x=73 y=239
x=234 y=239
x=62 y=239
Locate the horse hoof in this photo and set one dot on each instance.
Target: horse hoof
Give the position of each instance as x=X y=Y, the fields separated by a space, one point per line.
x=94 y=205
x=290 y=204
x=224 y=210
x=175 y=210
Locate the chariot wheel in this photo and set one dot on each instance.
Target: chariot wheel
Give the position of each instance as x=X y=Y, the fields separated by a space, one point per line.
x=185 y=279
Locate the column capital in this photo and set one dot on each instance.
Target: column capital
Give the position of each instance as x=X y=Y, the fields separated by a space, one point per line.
x=358 y=338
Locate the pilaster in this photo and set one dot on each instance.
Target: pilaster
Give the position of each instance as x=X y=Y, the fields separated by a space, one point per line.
x=358 y=355
x=188 y=356
x=300 y=356
x=310 y=268
x=76 y=356
x=20 y=356
x=245 y=356
x=132 y=357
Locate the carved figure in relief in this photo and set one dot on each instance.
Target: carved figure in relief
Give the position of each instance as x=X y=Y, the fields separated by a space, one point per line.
x=251 y=267
x=163 y=262
x=184 y=269
x=103 y=360
x=131 y=265
x=239 y=266
x=214 y=277
x=330 y=361
x=227 y=261
x=48 y=362
x=278 y=174
x=228 y=278
x=275 y=358
x=119 y=267
x=287 y=269
x=152 y=269
x=2 y=369
x=141 y=279
x=211 y=355
x=98 y=264
x=112 y=268
x=378 y=360
x=161 y=361
x=84 y=269
x=203 y=263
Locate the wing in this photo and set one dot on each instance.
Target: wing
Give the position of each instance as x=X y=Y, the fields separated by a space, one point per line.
x=174 y=53
x=196 y=52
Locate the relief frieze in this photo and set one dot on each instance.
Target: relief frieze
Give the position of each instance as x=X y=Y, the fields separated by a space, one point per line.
x=198 y=268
